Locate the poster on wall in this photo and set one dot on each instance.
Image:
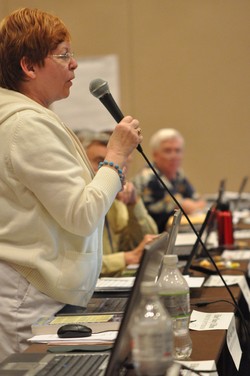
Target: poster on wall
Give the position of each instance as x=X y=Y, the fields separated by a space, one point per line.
x=81 y=110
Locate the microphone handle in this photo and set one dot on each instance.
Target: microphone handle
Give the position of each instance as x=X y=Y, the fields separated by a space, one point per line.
x=108 y=101
x=110 y=104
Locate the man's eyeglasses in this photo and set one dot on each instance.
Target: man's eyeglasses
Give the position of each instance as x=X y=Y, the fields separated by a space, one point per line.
x=65 y=57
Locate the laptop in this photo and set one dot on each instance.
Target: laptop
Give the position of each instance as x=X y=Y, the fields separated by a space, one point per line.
x=219 y=195
x=221 y=192
x=204 y=233
x=240 y=191
x=112 y=363
x=173 y=232
x=186 y=242
x=115 y=302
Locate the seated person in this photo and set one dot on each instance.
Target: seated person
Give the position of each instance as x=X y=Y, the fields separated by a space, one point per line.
x=128 y=226
x=167 y=146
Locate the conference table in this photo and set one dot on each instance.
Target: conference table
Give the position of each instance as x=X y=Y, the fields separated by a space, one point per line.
x=210 y=345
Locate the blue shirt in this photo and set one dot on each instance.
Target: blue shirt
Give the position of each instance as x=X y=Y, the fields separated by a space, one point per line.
x=157 y=200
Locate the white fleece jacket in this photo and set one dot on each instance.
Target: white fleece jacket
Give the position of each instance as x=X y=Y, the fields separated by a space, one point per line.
x=52 y=207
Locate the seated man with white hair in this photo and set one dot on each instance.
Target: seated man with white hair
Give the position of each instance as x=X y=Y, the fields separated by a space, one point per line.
x=167 y=146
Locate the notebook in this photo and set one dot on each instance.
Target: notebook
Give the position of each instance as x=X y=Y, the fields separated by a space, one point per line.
x=108 y=364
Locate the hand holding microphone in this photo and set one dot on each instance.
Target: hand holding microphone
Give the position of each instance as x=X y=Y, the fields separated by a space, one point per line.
x=100 y=89
x=125 y=138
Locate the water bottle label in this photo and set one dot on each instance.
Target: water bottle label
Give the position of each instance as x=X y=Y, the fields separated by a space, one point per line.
x=152 y=354
x=153 y=345
x=177 y=305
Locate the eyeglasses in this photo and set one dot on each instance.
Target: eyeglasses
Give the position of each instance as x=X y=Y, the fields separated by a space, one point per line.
x=65 y=57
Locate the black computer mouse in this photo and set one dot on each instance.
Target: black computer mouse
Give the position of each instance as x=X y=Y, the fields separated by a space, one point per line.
x=74 y=331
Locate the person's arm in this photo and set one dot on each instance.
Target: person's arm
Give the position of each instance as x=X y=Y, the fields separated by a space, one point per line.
x=139 y=215
x=134 y=256
x=158 y=202
x=139 y=222
x=115 y=243
x=189 y=199
x=46 y=160
x=116 y=262
x=191 y=206
x=113 y=263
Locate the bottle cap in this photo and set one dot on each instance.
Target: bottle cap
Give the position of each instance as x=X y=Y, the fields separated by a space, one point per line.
x=170 y=259
x=149 y=287
x=224 y=206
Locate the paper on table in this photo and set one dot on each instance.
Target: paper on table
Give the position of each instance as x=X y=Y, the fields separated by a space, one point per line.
x=110 y=283
x=205 y=365
x=241 y=234
x=210 y=321
x=102 y=337
x=240 y=214
x=127 y=282
x=216 y=281
x=233 y=344
x=190 y=238
x=194 y=281
x=80 y=319
x=241 y=254
x=228 y=196
x=132 y=266
x=185 y=238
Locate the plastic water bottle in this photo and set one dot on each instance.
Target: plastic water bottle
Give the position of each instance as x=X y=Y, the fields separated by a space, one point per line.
x=174 y=292
x=151 y=333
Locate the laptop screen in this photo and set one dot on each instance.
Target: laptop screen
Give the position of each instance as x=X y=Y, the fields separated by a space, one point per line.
x=174 y=231
x=241 y=189
x=171 y=239
x=206 y=228
x=148 y=267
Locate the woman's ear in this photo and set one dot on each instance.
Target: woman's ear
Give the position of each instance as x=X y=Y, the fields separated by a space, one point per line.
x=27 y=67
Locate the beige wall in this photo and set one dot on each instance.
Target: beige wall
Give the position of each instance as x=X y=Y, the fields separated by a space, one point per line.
x=183 y=63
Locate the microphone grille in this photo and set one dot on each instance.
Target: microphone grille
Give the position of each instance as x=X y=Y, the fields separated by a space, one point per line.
x=98 y=87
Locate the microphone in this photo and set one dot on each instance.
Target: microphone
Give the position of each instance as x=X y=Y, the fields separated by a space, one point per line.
x=100 y=89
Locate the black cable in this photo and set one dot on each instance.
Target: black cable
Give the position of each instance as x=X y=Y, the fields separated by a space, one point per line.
x=205 y=303
x=198 y=237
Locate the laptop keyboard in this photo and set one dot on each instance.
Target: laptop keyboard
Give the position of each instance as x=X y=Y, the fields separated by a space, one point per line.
x=96 y=305
x=106 y=305
x=76 y=365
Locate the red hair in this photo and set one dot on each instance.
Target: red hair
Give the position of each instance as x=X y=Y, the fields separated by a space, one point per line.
x=29 y=33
